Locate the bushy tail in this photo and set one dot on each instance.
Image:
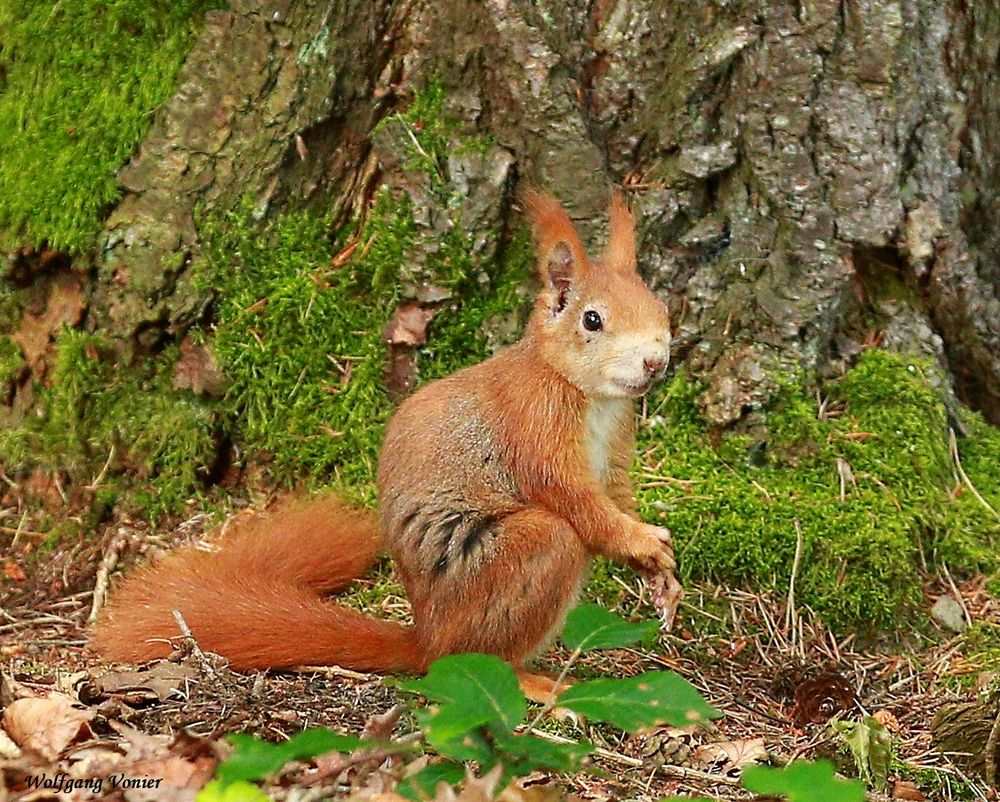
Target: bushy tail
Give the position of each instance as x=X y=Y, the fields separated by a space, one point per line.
x=256 y=600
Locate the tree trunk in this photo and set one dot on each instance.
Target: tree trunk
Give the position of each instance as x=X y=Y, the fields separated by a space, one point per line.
x=812 y=177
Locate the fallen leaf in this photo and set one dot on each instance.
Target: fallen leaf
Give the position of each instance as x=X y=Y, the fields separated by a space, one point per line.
x=46 y=726
x=400 y=372
x=70 y=683
x=14 y=572
x=175 y=771
x=732 y=755
x=408 y=325
x=158 y=683
x=8 y=749
x=887 y=720
x=904 y=789
x=197 y=370
x=379 y=727
x=64 y=306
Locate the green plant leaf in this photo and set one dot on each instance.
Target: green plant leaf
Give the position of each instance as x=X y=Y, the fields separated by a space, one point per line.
x=453 y=742
x=242 y=791
x=648 y=699
x=523 y=754
x=253 y=759
x=590 y=626
x=803 y=781
x=871 y=746
x=473 y=690
x=423 y=784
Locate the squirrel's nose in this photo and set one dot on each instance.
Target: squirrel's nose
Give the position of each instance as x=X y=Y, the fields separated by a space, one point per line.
x=654 y=364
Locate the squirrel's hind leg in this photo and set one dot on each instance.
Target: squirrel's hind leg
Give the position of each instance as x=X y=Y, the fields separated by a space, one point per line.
x=512 y=600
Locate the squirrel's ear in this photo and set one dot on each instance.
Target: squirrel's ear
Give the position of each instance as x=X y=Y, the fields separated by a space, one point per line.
x=558 y=271
x=561 y=260
x=619 y=254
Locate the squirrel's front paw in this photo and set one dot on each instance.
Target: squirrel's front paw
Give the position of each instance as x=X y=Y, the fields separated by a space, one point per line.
x=653 y=549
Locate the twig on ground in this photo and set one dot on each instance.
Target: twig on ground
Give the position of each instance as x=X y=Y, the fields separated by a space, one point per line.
x=200 y=656
x=790 y=615
x=675 y=771
x=100 y=476
x=108 y=562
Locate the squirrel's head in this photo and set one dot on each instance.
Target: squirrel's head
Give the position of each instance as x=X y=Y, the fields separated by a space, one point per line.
x=597 y=323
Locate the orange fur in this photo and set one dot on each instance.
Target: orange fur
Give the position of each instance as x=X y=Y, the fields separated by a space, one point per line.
x=497 y=485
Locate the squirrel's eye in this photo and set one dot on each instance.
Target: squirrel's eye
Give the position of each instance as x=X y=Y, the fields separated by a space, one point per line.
x=592 y=321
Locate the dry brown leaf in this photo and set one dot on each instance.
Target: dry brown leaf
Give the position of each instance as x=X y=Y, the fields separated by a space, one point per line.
x=11 y=689
x=63 y=306
x=736 y=754
x=175 y=771
x=140 y=745
x=408 y=325
x=14 y=572
x=474 y=789
x=379 y=726
x=887 y=720
x=8 y=749
x=904 y=789
x=197 y=370
x=158 y=683
x=549 y=792
x=46 y=726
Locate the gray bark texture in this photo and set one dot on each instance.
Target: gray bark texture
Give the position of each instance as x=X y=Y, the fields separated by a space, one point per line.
x=811 y=176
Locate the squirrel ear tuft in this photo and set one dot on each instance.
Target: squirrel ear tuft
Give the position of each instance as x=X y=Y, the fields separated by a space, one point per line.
x=619 y=254
x=560 y=253
x=561 y=260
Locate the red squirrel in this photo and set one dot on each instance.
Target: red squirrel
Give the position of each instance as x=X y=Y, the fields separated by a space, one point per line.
x=497 y=485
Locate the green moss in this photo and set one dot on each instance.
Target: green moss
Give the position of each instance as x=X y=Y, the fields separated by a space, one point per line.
x=302 y=341
x=980 y=646
x=11 y=363
x=98 y=412
x=860 y=563
x=79 y=82
x=431 y=135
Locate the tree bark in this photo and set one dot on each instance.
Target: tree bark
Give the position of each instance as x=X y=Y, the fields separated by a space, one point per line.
x=812 y=176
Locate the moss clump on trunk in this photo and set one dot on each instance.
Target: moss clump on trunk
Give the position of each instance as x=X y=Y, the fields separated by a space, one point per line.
x=155 y=445
x=301 y=340
x=868 y=480
x=78 y=84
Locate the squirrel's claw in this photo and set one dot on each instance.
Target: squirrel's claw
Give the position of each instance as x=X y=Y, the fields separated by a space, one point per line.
x=667 y=594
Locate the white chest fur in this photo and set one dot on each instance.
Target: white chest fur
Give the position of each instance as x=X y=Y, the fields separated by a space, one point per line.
x=603 y=419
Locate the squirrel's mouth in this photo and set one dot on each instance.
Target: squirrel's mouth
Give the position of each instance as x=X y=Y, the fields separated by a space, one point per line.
x=636 y=389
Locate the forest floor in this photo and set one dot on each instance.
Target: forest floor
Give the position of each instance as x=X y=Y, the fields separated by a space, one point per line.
x=775 y=672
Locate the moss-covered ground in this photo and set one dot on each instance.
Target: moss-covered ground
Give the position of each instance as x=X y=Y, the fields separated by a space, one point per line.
x=862 y=473
x=111 y=430
x=79 y=82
